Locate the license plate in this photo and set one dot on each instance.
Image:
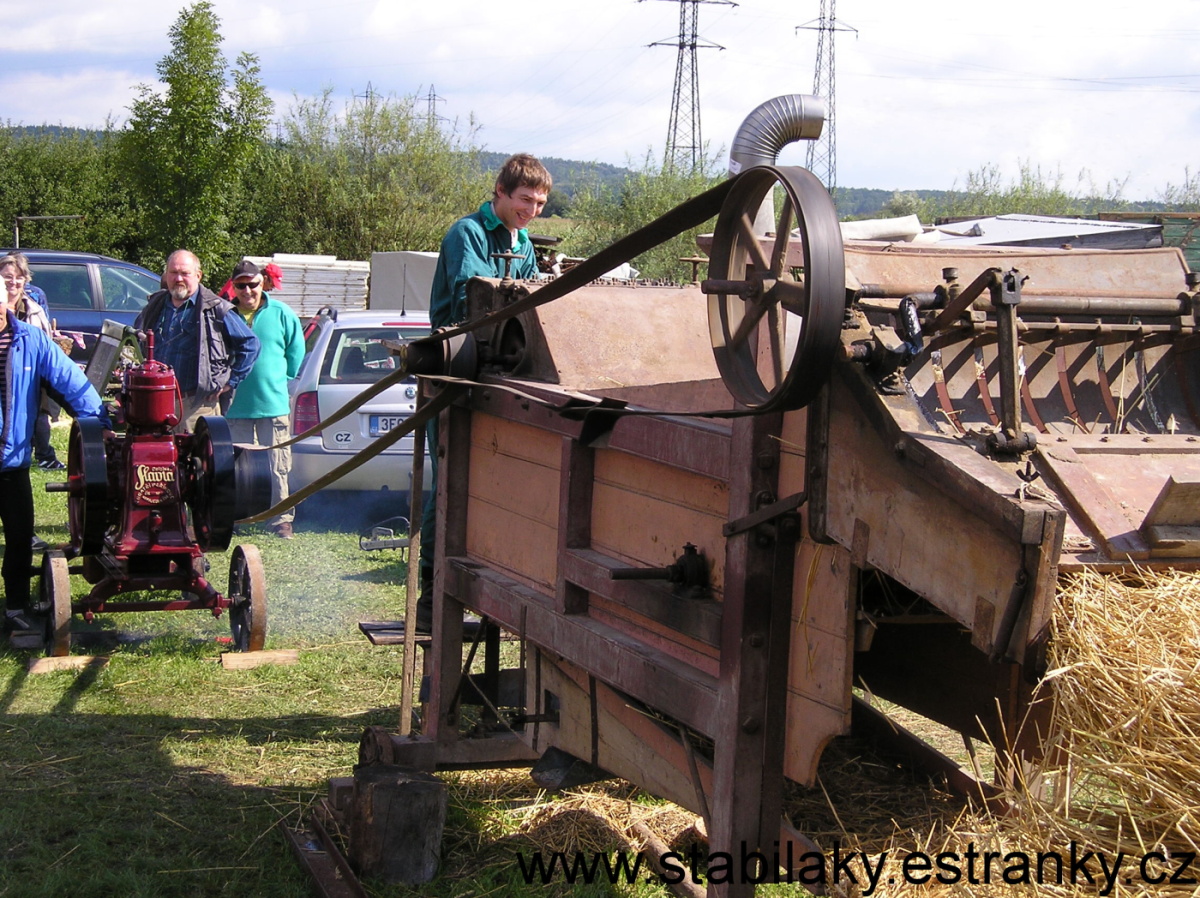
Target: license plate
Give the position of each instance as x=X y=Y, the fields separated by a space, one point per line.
x=378 y=425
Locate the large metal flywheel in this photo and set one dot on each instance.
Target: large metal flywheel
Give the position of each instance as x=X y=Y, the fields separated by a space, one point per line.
x=775 y=325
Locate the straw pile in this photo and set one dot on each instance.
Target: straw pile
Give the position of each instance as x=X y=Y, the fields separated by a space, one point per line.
x=1121 y=771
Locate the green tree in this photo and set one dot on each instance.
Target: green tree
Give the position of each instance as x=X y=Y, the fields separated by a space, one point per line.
x=188 y=149
x=605 y=213
x=52 y=171
x=380 y=176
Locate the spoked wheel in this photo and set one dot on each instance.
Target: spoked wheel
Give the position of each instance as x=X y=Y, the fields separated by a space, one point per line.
x=87 y=486
x=776 y=330
x=247 y=599
x=214 y=484
x=56 y=599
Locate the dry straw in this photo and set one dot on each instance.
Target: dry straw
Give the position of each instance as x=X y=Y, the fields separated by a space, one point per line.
x=1120 y=771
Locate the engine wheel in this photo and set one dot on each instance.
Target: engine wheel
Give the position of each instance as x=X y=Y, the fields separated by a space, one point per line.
x=88 y=504
x=775 y=335
x=213 y=500
x=56 y=597
x=247 y=599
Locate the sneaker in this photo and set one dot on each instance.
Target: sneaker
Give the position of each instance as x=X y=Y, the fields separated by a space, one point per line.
x=283 y=531
x=52 y=464
x=39 y=543
x=17 y=621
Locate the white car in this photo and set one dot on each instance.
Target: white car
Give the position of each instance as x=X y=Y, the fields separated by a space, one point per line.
x=345 y=355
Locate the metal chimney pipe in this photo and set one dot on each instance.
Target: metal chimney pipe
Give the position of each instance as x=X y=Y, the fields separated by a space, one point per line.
x=767 y=130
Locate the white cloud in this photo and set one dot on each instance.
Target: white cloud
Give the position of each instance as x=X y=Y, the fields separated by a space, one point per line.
x=923 y=98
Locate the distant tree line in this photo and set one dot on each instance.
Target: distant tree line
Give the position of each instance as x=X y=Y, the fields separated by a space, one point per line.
x=199 y=165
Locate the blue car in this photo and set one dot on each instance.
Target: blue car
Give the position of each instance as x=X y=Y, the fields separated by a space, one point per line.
x=83 y=289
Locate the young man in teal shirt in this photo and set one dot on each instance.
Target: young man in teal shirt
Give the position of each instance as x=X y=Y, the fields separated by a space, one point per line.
x=522 y=188
x=258 y=415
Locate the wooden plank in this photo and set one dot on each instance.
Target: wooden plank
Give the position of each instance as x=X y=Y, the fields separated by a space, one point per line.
x=250 y=660
x=689 y=651
x=512 y=542
x=658 y=480
x=630 y=744
x=1092 y=503
x=66 y=662
x=752 y=689
x=330 y=874
x=1178 y=503
x=616 y=658
x=577 y=474
x=1172 y=541
x=516 y=439
x=701 y=447
x=920 y=533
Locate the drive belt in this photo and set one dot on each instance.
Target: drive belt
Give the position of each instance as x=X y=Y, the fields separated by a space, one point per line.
x=426 y=413
x=683 y=217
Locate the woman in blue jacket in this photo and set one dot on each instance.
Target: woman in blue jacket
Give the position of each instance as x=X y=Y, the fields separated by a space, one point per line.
x=29 y=362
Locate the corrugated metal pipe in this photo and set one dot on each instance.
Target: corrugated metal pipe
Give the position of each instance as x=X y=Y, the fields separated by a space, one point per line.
x=766 y=131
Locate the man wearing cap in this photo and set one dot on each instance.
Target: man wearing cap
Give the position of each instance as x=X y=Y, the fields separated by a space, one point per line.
x=195 y=333
x=259 y=413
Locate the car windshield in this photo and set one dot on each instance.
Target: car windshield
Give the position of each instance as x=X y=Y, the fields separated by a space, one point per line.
x=126 y=289
x=359 y=356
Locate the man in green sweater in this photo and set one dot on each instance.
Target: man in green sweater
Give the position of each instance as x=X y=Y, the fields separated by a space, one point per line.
x=258 y=415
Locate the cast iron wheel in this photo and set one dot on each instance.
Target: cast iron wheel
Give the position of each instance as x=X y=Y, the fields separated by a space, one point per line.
x=775 y=336
x=87 y=491
x=213 y=500
x=56 y=598
x=247 y=599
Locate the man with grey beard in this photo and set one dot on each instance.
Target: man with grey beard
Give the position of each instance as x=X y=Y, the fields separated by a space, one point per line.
x=199 y=335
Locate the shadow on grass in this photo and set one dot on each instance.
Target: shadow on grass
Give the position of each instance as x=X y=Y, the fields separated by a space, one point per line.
x=101 y=805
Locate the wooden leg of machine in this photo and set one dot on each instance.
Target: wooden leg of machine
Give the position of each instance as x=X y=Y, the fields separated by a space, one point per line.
x=748 y=762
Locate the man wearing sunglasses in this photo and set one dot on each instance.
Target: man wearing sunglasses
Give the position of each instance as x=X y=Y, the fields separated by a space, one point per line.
x=196 y=333
x=258 y=415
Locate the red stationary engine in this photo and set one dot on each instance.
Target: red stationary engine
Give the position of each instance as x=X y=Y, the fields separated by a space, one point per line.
x=144 y=508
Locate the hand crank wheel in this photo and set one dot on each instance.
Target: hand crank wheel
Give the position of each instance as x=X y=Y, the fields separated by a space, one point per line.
x=775 y=332
x=247 y=599
x=88 y=507
x=213 y=500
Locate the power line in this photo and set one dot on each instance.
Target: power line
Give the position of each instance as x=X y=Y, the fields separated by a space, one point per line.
x=684 y=143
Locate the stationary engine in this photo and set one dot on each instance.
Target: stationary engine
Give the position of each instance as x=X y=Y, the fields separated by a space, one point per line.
x=144 y=508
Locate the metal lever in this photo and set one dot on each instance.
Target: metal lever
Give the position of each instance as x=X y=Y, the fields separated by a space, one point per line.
x=688 y=573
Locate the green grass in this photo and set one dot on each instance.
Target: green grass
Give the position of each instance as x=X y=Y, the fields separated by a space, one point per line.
x=162 y=774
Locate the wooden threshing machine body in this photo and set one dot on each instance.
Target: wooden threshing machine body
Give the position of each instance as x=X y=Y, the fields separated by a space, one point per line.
x=876 y=538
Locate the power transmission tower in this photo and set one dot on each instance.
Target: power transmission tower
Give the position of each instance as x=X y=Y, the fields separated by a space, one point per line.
x=431 y=101
x=822 y=153
x=684 y=144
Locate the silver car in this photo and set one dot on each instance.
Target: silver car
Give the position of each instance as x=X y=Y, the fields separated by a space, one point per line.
x=345 y=355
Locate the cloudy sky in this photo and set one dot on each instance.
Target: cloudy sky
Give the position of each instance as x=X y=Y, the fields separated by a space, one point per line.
x=927 y=92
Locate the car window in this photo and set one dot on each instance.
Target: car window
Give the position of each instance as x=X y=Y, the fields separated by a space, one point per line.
x=358 y=355
x=126 y=289
x=66 y=285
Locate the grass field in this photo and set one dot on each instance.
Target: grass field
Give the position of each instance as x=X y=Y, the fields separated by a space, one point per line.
x=162 y=774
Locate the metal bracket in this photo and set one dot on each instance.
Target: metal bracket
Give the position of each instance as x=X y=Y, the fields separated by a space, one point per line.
x=765 y=514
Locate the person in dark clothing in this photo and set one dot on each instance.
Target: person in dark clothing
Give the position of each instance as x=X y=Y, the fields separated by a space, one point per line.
x=499 y=226
x=195 y=333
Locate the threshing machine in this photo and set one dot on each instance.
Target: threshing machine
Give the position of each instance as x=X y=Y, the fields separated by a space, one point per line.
x=710 y=512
